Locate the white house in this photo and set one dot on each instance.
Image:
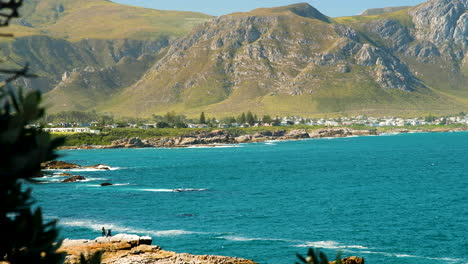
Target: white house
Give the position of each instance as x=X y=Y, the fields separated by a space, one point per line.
x=72 y=130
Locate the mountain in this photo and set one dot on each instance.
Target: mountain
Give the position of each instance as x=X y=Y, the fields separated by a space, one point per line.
x=83 y=50
x=290 y=60
x=379 y=11
x=294 y=60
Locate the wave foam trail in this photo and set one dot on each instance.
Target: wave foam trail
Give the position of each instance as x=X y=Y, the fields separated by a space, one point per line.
x=243 y=239
x=173 y=190
x=87 y=169
x=330 y=245
x=93 y=225
x=216 y=146
x=397 y=255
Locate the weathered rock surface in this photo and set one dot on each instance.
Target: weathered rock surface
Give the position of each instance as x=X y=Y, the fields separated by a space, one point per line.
x=58 y=165
x=350 y=260
x=130 y=143
x=75 y=179
x=297 y=134
x=62 y=165
x=126 y=249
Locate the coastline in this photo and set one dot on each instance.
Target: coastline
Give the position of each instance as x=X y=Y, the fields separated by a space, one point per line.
x=126 y=249
x=220 y=137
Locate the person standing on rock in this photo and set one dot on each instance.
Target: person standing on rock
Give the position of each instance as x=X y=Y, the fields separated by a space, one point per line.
x=103 y=231
x=109 y=233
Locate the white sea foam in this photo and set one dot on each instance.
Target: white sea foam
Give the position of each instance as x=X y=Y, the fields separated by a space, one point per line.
x=86 y=169
x=173 y=190
x=93 y=225
x=157 y=190
x=397 y=255
x=329 y=244
x=217 y=146
x=243 y=238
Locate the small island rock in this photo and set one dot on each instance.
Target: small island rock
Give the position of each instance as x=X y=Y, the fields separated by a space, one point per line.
x=58 y=165
x=75 y=179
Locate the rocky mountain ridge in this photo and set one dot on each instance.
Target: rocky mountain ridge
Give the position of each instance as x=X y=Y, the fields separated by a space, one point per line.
x=290 y=60
x=276 y=54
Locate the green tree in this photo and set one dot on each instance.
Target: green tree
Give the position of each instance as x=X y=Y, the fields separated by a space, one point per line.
x=202 y=119
x=242 y=119
x=250 y=118
x=162 y=124
x=430 y=118
x=25 y=237
x=266 y=119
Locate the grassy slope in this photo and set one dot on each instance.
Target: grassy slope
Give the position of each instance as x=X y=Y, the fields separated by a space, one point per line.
x=100 y=19
x=337 y=93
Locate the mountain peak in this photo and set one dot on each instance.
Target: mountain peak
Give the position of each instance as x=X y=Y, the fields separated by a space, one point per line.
x=303 y=10
x=299 y=9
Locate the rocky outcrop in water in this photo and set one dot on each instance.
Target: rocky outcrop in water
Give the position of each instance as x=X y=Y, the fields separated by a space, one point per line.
x=62 y=165
x=58 y=165
x=76 y=178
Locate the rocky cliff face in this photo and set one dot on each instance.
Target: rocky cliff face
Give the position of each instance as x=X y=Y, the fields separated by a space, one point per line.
x=290 y=51
x=55 y=60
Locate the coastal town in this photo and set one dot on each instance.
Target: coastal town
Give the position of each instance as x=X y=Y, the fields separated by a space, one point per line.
x=266 y=121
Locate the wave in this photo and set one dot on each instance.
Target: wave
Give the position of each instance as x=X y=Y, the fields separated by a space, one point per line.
x=217 y=146
x=173 y=190
x=93 y=225
x=86 y=169
x=389 y=134
x=398 y=255
x=330 y=245
x=242 y=238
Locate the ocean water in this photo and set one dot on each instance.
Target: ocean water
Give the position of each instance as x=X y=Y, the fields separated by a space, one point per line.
x=391 y=199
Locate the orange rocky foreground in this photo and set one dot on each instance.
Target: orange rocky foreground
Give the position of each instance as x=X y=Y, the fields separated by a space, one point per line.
x=126 y=249
x=132 y=249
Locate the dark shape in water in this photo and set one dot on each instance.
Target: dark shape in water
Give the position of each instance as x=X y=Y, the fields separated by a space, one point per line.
x=75 y=179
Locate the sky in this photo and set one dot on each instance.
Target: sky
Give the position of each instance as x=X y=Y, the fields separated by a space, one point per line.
x=332 y=8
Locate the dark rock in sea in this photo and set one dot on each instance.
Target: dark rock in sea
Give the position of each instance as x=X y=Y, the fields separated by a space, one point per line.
x=106 y=184
x=75 y=179
x=58 y=165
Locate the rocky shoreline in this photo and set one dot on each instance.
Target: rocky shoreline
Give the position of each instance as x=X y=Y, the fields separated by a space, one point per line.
x=126 y=249
x=223 y=137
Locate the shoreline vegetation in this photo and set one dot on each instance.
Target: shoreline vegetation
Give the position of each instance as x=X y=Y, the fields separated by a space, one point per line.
x=192 y=137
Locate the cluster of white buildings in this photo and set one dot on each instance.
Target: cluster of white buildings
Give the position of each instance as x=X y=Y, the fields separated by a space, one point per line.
x=72 y=130
x=376 y=121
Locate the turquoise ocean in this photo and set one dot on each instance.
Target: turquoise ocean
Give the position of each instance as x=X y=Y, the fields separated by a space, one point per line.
x=391 y=199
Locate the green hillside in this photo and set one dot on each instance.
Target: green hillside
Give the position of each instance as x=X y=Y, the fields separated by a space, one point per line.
x=293 y=60
x=86 y=50
x=101 y=19
x=290 y=60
